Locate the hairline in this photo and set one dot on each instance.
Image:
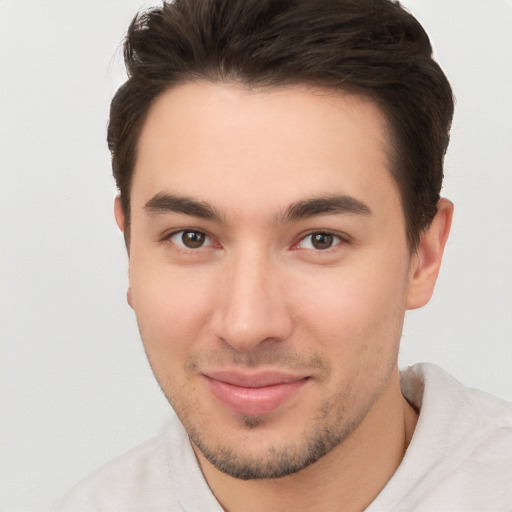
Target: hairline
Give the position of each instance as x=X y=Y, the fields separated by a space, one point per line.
x=390 y=143
x=390 y=140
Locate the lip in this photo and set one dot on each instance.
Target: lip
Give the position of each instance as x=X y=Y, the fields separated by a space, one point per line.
x=254 y=394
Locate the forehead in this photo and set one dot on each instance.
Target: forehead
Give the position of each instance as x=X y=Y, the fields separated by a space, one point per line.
x=241 y=148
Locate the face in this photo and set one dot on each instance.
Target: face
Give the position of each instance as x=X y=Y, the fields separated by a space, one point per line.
x=269 y=269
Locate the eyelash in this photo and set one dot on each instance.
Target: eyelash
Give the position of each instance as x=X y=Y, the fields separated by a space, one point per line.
x=169 y=238
x=340 y=239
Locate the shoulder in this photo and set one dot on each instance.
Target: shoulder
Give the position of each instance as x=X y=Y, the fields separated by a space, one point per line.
x=460 y=456
x=460 y=423
x=437 y=394
x=137 y=480
x=159 y=475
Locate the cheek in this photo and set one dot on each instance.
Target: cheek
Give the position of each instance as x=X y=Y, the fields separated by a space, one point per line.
x=173 y=308
x=356 y=310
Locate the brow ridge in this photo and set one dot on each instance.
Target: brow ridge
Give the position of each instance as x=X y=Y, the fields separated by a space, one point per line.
x=324 y=205
x=164 y=202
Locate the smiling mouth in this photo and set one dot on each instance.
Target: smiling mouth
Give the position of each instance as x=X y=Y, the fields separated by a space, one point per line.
x=254 y=394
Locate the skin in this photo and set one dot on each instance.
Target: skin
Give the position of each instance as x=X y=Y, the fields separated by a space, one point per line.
x=258 y=295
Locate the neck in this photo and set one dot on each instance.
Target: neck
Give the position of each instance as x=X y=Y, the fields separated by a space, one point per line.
x=351 y=474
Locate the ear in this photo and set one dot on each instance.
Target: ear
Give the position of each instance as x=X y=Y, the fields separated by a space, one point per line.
x=119 y=214
x=121 y=224
x=426 y=262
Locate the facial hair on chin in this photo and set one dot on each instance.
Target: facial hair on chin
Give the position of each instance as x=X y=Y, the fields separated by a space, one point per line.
x=333 y=424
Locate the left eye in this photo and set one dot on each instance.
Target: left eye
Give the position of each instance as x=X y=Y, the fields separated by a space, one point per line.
x=190 y=239
x=319 y=241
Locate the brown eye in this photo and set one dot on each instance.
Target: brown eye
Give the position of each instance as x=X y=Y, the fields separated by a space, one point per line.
x=189 y=239
x=192 y=239
x=319 y=241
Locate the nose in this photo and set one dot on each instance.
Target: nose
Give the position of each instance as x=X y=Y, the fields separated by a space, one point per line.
x=252 y=308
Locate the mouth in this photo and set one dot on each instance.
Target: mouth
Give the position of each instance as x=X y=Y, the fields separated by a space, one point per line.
x=254 y=394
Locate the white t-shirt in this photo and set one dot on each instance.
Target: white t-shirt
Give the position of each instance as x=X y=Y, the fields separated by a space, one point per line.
x=459 y=460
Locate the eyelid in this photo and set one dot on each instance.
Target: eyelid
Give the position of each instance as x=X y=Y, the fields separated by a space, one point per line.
x=167 y=237
x=343 y=239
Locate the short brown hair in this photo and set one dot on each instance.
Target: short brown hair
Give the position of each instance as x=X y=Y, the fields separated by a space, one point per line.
x=369 y=47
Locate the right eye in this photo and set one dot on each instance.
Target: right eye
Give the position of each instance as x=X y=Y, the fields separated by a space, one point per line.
x=320 y=241
x=190 y=239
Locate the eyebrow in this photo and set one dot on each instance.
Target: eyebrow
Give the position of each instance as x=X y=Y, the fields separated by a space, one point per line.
x=325 y=205
x=171 y=203
x=164 y=202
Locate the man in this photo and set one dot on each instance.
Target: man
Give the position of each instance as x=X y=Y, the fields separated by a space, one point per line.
x=279 y=165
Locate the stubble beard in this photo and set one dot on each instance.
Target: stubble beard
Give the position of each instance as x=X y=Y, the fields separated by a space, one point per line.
x=328 y=430
x=336 y=419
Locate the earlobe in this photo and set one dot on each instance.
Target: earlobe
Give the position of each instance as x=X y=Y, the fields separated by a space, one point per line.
x=429 y=253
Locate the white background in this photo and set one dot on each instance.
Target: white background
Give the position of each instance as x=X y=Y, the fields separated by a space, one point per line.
x=75 y=386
